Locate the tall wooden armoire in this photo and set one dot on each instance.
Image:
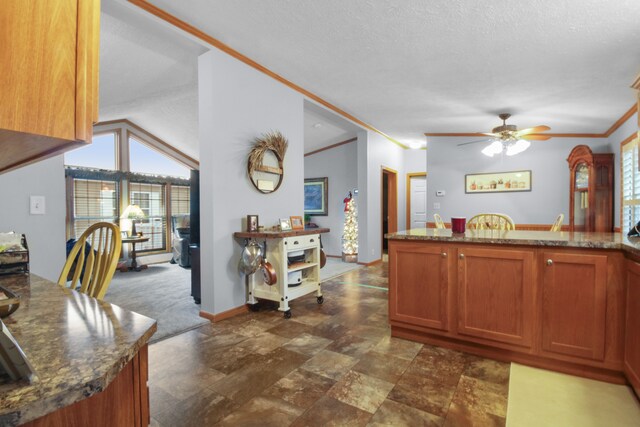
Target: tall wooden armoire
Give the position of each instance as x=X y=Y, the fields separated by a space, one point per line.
x=591 y=190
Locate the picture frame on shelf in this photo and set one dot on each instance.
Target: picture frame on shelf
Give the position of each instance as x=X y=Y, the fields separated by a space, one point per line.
x=124 y=234
x=497 y=182
x=252 y=223
x=316 y=196
x=297 y=223
x=285 y=224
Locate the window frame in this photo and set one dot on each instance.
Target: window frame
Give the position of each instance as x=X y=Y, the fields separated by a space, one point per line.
x=630 y=143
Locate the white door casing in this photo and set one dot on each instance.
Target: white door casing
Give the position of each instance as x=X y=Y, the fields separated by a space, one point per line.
x=418 y=193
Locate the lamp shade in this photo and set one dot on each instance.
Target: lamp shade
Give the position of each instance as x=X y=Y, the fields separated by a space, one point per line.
x=133 y=212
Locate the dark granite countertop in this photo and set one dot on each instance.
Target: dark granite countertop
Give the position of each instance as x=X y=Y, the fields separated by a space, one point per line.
x=278 y=234
x=76 y=344
x=530 y=238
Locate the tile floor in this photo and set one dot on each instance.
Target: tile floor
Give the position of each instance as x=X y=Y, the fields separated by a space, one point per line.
x=330 y=364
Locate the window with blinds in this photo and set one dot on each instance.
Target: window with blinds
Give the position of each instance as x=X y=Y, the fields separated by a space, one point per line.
x=180 y=205
x=93 y=201
x=630 y=185
x=152 y=201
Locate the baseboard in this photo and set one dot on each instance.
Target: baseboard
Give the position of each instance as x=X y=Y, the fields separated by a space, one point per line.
x=369 y=264
x=333 y=256
x=214 y=318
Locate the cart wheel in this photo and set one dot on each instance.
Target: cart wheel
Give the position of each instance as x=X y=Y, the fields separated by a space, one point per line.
x=287 y=314
x=254 y=307
x=320 y=299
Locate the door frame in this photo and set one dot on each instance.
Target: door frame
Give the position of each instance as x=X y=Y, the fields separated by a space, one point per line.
x=392 y=202
x=410 y=175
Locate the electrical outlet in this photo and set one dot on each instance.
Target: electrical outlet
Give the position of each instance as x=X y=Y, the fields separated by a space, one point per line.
x=37 y=205
x=436 y=206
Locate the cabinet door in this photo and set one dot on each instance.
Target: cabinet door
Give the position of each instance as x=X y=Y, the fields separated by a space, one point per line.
x=495 y=294
x=418 y=284
x=574 y=304
x=632 y=330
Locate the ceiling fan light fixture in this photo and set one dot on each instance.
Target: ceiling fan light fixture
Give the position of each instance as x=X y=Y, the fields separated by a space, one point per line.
x=518 y=147
x=494 y=148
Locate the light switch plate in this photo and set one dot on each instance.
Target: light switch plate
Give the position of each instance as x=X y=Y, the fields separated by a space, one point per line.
x=37 y=205
x=436 y=206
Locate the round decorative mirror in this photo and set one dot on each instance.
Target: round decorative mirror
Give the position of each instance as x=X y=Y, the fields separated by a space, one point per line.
x=265 y=164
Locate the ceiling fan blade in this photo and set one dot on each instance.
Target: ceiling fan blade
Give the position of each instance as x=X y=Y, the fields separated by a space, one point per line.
x=535 y=129
x=475 y=142
x=535 y=137
x=495 y=135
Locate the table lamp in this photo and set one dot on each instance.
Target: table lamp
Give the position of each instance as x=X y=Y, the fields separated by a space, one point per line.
x=133 y=212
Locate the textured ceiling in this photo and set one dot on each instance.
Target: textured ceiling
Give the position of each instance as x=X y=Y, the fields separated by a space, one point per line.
x=323 y=128
x=149 y=75
x=412 y=66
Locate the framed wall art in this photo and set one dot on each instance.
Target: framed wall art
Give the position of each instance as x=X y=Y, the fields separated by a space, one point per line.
x=316 y=195
x=497 y=182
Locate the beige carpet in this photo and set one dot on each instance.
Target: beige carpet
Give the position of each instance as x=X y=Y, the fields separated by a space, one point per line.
x=543 y=398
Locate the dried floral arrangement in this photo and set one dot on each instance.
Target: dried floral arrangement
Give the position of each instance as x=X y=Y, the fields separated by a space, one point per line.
x=274 y=141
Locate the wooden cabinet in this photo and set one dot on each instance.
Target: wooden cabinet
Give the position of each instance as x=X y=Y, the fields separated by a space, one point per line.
x=49 y=78
x=495 y=294
x=125 y=401
x=590 y=190
x=574 y=292
x=632 y=329
x=420 y=278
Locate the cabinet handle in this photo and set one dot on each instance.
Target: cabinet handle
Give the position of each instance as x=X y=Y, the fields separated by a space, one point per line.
x=312 y=240
x=461 y=256
x=549 y=262
x=444 y=254
x=295 y=243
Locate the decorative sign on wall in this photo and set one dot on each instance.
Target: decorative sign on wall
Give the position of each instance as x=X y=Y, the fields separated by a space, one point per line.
x=498 y=182
x=265 y=165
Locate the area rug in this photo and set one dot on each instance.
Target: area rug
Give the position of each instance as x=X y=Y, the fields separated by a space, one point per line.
x=544 y=398
x=335 y=267
x=161 y=292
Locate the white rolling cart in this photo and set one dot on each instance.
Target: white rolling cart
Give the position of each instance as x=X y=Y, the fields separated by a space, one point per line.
x=295 y=256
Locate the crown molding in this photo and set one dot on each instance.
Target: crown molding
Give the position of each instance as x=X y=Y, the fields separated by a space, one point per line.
x=329 y=147
x=190 y=29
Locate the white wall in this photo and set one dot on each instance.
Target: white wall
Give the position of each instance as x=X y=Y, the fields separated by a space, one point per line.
x=45 y=233
x=340 y=166
x=237 y=104
x=374 y=152
x=447 y=165
x=628 y=128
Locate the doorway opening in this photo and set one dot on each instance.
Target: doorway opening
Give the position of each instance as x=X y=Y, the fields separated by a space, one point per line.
x=389 y=209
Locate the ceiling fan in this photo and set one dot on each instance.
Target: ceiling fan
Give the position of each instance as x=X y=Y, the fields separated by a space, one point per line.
x=507 y=138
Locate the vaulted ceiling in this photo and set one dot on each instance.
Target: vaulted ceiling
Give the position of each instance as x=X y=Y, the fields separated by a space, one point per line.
x=411 y=66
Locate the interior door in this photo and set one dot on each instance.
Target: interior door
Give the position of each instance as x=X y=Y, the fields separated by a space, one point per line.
x=418 y=208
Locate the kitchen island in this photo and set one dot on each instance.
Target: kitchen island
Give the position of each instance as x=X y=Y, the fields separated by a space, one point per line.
x=556 y=300
x=89 y=358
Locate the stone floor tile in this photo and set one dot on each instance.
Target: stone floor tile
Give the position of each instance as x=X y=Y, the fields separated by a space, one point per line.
x=382 y=366
x=307 y=344
x=398 y=347
x=396 y=414
x=329 y=364
x=360 y=390
x=487 y=370
x=263 y=343
x=289 y=329
x=351 y=345
x=330 y=412
x=263 y=411
x=202 y=409
x=301 y=388
x=423 y=393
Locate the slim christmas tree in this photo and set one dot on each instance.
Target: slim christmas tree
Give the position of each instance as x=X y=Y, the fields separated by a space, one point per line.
x=350 y=234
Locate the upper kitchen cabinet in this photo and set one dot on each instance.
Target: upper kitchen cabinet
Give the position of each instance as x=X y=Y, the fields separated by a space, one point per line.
x=49 y=78
x=591 y=190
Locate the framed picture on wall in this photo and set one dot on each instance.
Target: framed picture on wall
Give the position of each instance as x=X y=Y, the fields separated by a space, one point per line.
x=497 y=182
x=316 y=195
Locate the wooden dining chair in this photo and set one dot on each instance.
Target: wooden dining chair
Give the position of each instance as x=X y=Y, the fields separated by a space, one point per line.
x=557 y=225
x=93 y=260
x=439 y=222
x=491 y=221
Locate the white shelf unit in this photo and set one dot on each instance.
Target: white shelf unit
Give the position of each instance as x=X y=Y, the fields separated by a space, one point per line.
x=278 y=251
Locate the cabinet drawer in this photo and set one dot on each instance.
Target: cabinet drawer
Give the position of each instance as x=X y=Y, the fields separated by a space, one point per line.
x=301 y=242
